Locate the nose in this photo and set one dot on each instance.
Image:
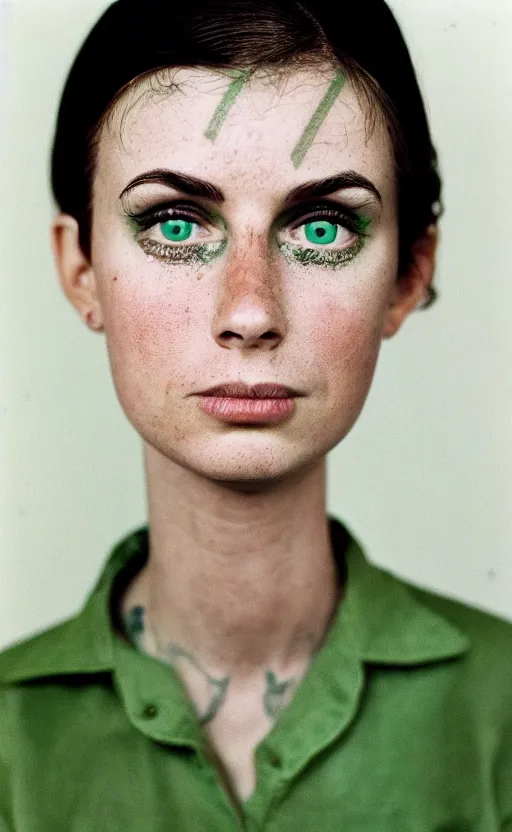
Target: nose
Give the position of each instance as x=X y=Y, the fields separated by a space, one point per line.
x=249 y=310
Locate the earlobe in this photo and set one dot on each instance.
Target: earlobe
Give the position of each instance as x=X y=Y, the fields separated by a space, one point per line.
x=411 y=289
x=75 y=271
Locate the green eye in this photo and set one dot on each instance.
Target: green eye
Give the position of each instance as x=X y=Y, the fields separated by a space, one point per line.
x=177 y=230
x=321 y=231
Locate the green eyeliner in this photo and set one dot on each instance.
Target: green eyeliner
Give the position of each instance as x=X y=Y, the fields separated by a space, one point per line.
x=206 y=253
x=362 y=225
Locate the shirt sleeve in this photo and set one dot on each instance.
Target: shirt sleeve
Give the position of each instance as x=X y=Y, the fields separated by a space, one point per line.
x=5 y=790
x=504 y=778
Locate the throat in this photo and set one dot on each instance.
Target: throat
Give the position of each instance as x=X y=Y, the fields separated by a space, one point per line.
x=237 y=629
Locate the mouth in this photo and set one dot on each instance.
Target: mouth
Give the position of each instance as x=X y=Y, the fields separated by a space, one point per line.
x=249 y=404
x=239 y=390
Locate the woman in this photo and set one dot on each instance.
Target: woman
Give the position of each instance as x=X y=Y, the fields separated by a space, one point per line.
x=248 y=201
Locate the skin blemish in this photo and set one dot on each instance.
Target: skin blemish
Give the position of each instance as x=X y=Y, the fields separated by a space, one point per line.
x=317 y=119
x=219 y=116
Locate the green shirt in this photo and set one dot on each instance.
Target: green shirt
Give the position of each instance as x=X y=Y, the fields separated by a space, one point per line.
x=403 y=722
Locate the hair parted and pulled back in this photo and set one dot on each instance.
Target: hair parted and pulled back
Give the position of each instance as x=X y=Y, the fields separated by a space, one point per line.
x=127 y=45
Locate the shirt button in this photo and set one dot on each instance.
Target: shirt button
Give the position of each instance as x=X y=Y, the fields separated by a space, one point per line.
x=150 y=711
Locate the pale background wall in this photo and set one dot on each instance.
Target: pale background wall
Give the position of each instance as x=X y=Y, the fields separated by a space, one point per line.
x=424 y=479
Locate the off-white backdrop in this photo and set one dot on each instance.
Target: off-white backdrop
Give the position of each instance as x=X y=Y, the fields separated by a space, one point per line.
x=424 y=479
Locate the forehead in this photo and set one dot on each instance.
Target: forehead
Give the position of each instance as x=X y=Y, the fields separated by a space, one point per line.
x=282 y=125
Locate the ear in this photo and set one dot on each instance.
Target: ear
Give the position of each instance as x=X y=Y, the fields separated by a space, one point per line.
x=411 y=288
x=75 y=270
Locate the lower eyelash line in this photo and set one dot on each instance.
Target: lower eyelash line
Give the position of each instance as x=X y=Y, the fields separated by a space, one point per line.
x=198 y=253
x=314 y=257
x=202 y=253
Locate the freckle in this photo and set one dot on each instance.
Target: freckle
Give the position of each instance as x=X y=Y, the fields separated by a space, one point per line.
x=115 y=278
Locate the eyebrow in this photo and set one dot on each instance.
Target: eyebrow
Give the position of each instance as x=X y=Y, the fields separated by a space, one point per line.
x=323 y=187
x=314 y=189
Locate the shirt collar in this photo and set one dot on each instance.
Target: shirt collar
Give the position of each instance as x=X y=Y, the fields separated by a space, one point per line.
x=382 y=617
x=391 y=620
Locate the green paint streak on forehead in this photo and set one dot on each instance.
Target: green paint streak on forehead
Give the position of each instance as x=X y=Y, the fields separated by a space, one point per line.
x=318 y=117
x=212 y=131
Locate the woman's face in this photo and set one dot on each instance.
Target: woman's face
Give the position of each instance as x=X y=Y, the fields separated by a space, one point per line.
x=253 y=288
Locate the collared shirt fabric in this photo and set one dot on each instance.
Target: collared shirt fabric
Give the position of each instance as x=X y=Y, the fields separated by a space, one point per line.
x=403 y=722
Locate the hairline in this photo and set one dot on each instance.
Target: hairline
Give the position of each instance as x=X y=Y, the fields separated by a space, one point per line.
x=160 y=81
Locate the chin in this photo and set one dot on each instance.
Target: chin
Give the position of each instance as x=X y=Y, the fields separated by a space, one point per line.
x=247 y=465
x=251 y=472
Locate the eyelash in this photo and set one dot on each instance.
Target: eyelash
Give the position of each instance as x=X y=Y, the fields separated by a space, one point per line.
x=205 y=252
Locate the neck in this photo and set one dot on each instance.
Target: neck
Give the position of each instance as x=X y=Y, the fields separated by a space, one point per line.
x=237 y=581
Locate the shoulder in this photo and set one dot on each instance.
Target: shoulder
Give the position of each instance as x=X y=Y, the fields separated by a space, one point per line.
x=483 y=628
x=489 y=636
x=34 y=654
x=477 y=689
x=76 y=645
x=21 y=662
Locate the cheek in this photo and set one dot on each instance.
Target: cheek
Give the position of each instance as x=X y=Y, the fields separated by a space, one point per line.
x=149 y=336
x=347 y=346
x=347 y=315
x=347 y=339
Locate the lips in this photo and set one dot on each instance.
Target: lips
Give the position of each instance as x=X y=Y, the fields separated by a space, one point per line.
x=239 y=390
